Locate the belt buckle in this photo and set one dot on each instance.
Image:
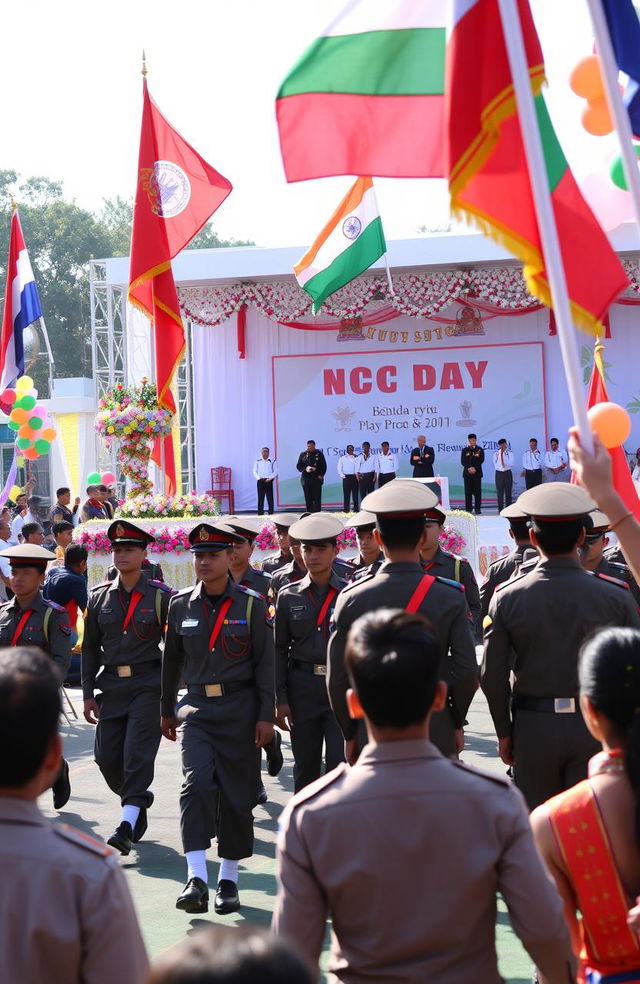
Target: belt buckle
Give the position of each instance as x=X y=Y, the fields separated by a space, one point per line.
x=123 y=671
x=213 y=690
x=564 y=705
x=319 y=669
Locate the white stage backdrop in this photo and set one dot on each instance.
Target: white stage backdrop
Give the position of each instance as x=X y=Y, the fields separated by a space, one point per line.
x=281 y=402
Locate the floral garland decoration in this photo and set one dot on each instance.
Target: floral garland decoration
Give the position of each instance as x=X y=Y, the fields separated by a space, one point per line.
x=188 y=506
x=450 y=538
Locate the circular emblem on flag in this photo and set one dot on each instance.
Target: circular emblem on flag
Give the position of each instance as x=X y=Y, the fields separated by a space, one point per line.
x=352 y=227
x=172 y=189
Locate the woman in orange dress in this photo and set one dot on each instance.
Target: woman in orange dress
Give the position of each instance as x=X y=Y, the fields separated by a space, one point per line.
x=589 y=835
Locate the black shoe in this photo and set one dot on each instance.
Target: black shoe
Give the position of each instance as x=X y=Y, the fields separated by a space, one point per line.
x=121 y=838
x=227 y=898
x=273 y=751
x=195 y=897
x=140 y=826
x=62 y=787
x=262 y=795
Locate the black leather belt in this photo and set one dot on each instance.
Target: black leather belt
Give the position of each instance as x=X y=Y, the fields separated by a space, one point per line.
x=314 y=669
x=124 y=670
x=532 y=471
x=220 y=689
x=546 y=705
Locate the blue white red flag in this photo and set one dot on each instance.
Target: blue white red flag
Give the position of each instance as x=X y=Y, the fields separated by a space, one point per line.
x=21 y=306
x=624 y=28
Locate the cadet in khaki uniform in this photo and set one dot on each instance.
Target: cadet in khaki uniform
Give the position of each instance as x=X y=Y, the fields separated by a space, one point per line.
x=303 y=614
x=30 y=620
x=407 y=850
x=535 y=628
x=219 y=641
x=505 y=567
x=370 y=556
x=400 y=508
x=282 y=521
x=124 y=627
x=441 y=563
x=67 y=913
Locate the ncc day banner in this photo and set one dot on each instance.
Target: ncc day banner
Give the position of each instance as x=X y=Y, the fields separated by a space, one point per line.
x=349 y=397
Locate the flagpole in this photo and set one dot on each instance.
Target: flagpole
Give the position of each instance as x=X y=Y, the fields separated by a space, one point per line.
x=389 y=280
x=554 y=266
x=45 y=335
x=616 y=105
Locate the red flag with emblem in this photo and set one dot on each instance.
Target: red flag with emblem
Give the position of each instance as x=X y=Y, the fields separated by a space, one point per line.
x=176 y=193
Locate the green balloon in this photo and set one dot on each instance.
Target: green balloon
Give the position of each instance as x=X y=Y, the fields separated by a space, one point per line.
x=23 y=443
x=94 y=478
x=616 y=171
x=26 y=402
x=35 y=423
x=42 y=446
x=14 y=425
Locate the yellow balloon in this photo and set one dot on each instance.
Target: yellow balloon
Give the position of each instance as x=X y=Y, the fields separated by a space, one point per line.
x=24 y=383
x=14 y=492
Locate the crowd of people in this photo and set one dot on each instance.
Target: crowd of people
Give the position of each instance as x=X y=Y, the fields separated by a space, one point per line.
x=371 y=667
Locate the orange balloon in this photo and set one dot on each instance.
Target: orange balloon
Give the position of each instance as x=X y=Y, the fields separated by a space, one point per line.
x=611 y=423
x=19 y=415
x=48 y=434
x=25 y=431
x=586 y=78
x=596 y=118
x=31 y=454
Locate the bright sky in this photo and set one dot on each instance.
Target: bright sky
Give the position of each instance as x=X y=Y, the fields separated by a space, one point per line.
x=70 y=77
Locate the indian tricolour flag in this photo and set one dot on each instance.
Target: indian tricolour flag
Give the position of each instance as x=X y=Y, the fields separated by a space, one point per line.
x=347 y=246
x=367 y=97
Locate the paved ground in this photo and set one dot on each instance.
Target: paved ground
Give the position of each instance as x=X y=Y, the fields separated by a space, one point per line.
x=156 y=869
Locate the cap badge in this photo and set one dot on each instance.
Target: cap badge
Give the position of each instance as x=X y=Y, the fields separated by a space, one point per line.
x=120 y=530
x=203 y=534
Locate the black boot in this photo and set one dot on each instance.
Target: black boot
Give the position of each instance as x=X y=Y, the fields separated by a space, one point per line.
x=121 y=838
x=62 y=787
x=195 y=897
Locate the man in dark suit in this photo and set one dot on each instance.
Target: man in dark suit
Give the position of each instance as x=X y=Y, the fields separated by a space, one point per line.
x=312 y=467
x=471 y=460
x=422 y=459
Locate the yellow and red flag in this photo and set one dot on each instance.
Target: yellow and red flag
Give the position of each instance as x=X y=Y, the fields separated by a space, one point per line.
x=177 y=192
x=489 y=178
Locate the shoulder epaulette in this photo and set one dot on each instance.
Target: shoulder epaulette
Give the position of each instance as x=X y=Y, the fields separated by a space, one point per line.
x=611 y=580
x=159 y=584
x=320 y=784
x=80 y=839
x=102 y=584
x=512 y=580
x=249 y=591
x=450 y=582
x=266 y=574
x=366 y=576
x=482 y=773
x=53 y=604
x=183 y=591
x=619 y=567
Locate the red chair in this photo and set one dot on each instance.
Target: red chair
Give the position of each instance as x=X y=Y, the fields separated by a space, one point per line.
x=221 y=486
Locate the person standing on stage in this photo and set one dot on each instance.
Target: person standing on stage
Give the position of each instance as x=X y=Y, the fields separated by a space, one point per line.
x=503 y=464
x=124 y=627
x=220 y=643
x=471 y=460
x=347 y=472
x=422 y=458
x=532 y=465
x=265 y=470
x=366 y=470
x=312 y=466
x=386 y=464
x=556 y=463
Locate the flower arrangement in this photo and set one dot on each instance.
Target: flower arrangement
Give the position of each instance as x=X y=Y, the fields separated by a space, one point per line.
x=451 y=540
x=266 y=538
x=174 y=540
x=347 y=538
x=149 y=506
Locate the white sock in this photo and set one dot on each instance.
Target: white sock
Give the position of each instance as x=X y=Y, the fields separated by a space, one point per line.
x=130 y=814
x=196 y=865
x=228 y=870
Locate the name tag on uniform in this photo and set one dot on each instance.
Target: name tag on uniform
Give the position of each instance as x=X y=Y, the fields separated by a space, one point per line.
x=190 y=623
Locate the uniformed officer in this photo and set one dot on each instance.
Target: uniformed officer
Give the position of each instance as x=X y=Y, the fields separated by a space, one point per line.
x=442 y=563
x=68 y=915
x=124 y=627
x=303 y=614
x=505 y=567
x=290 y=573
x=370 y=556
x=219 y=641
x=400 y=508
x=239 y=565
x=312 y=466
x=619 y=568
x=593 y=554
x=30 y=620
x=536 y=625
x=149 y=568
x=282 y=522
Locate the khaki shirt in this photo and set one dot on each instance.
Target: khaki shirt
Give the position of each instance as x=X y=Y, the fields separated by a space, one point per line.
x=500 y=571
x=406 y=852
x=66 y=916
x=445 y=564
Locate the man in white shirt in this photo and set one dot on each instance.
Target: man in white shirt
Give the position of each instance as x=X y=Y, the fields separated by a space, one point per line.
x=503 y=463
x=366 y=470
x=347 y=472
x=555 y=462
x=532 y=465
x=387 y=465
x=265 y=470
x=32 y=515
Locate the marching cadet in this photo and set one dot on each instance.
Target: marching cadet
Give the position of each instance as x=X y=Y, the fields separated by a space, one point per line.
x=149 y=569
x=219 y=641
x=239 y=566
x=124 y=627
x=303 y=614
x=30 y=620
x=442 y=563
x=400 y=508
x=505 y=567
x=536 y=625
x=282 y=521
x=370 y=555
x=595 y=555
x=291 y=572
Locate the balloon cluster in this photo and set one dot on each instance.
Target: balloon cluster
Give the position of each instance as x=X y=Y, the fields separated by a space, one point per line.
x=28 y=418
x=586 y=81
x=95 y=478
